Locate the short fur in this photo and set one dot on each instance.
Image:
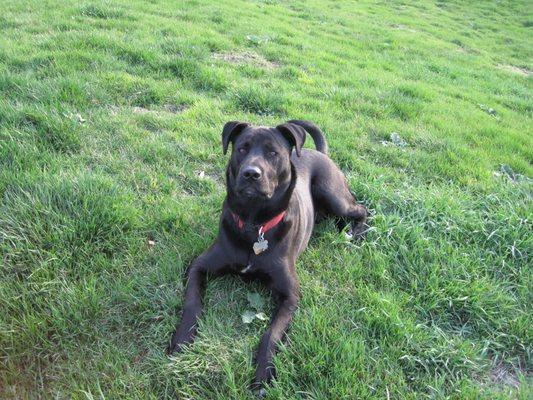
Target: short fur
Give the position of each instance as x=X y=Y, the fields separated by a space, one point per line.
x=265 y=177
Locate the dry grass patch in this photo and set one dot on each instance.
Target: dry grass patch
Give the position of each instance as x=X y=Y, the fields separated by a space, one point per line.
x=247 y=57
x=515 y=70
x=503 y=375
x=164 y=109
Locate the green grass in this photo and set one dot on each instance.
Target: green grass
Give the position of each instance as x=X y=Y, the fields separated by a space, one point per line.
x=111 y=181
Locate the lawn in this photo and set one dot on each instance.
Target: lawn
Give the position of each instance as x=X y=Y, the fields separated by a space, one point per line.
x=112 y=179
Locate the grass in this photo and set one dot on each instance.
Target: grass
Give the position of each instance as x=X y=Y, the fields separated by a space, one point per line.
x=111 y=180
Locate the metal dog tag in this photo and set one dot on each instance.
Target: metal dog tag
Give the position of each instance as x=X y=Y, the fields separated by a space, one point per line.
x=260 y=246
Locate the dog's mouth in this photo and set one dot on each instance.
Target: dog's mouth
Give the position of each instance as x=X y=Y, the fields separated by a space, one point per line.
x=252 y=192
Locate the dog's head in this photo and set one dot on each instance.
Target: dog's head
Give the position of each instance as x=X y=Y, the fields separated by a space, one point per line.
x=260 y=160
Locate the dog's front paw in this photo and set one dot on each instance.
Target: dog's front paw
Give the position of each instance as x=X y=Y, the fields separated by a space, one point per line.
x=357 y=231
x=260 y=393
x=171 y=350
x=263 y=376
x=176 y=345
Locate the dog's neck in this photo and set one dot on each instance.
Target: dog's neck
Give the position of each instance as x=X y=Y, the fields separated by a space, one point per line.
x=257 y=211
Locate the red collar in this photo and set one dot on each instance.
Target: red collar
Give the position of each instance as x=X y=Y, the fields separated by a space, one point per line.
x=263 y=228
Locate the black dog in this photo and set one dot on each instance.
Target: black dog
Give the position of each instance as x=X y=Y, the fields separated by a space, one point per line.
x=267 y=218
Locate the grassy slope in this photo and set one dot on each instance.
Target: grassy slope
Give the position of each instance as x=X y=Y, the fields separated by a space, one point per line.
x=94 y=162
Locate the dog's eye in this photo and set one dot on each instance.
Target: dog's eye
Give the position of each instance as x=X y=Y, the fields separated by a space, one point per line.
x=242 y=150
x=272 y=154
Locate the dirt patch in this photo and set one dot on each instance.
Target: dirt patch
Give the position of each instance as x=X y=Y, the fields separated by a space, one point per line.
x=247 y=57
x=175 y=108
x=403 y=28
x=165 y=108
x=516 y=70
x=140 y=110
x=502 y=375
x=507 y=172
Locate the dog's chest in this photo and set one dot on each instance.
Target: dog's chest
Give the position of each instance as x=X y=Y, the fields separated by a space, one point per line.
x=253 y=264
x=254 y=270
x=246 y=269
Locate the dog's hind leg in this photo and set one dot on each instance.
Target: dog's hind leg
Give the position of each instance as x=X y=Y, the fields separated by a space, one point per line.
x=353 y=213
x=331 y=194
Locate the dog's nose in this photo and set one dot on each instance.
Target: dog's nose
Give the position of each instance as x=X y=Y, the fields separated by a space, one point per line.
x=252 y=173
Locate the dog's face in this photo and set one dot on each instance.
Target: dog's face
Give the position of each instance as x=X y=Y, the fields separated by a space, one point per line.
x=260 y=159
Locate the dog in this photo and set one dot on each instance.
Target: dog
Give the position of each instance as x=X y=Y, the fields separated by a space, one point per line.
x=275 y=190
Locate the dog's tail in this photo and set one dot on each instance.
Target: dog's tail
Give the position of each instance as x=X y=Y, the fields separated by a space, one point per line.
x=315 y=132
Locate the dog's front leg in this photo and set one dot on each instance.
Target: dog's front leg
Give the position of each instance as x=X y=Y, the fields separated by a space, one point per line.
x=288 y=292
x=212 y=261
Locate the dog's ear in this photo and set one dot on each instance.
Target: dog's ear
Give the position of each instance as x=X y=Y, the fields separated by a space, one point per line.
x=294 y=134
x=230 y=132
